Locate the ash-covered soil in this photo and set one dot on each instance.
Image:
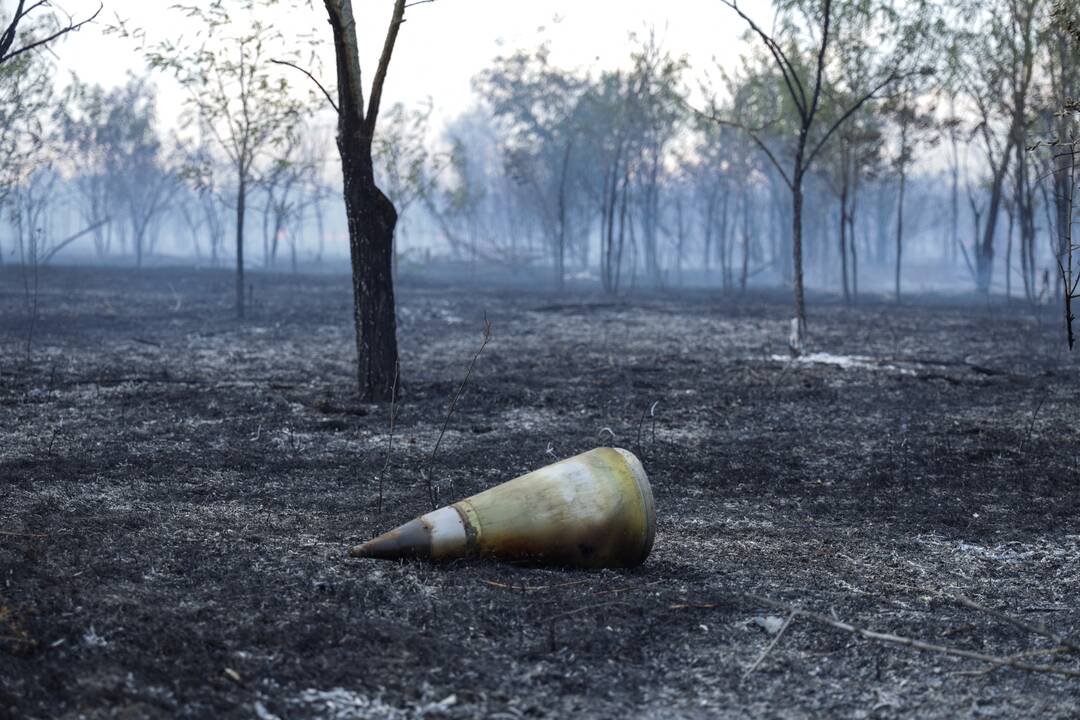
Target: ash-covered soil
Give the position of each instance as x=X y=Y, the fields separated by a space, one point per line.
x=178 y=491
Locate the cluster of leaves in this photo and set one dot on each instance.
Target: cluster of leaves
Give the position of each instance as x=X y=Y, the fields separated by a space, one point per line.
x=25 y=97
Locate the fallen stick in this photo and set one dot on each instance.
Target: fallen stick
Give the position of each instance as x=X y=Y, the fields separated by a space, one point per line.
x=390 y=441
x=1031 y=627
x=913 y=643
x=569 y=613
x=1016 y=656
x=433 y=490
x=504 y=586
x=630 y=587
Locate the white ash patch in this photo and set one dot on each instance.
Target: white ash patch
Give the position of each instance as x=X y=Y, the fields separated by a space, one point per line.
x=341 y=704
x=1043 y=551
x=844 y=362
x=91 y=639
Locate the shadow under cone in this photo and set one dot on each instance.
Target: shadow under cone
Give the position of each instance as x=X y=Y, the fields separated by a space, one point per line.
x=591 y=510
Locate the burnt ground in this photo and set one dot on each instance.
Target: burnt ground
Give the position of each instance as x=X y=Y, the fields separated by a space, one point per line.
x=178 y=491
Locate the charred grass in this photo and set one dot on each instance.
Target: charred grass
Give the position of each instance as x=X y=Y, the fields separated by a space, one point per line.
x=178 y=490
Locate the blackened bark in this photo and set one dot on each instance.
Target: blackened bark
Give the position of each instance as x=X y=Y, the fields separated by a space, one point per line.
x=370 y=214
x=852 y=205
x=726 y=247
x=984 y=257
x=241 y=201
x=745 y=240
x=796 y=233
x=843 y=236
x=900 y=225
x=372 y=218
x=1011 y=213
x=560 y=249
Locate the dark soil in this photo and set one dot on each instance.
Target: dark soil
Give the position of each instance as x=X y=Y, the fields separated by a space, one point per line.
x=178 y=491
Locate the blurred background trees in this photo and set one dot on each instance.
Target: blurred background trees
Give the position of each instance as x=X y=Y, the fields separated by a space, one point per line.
x=857 y=146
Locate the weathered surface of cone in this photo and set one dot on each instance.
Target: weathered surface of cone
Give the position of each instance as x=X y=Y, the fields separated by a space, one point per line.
x=591 y=510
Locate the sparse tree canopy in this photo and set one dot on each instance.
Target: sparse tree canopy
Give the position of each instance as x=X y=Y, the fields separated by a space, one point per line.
x=235 y=95
x=34 y=25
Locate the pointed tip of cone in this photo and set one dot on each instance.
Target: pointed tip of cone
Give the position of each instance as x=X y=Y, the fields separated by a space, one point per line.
x=411 y=540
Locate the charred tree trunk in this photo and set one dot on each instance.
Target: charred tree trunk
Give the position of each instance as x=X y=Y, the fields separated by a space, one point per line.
x=1011 y=212
x=707 y=231
x=241 y=200
x=843 y=245
x=623 y=202
x=371 y=219
x=1063 y=200
x=796 y=240
x=984 y=255
x=370 y=214
x=852 y=240
x=605 y=248
x=727 y=249
x=560 y=248
x=900 y=226
x=745 y=270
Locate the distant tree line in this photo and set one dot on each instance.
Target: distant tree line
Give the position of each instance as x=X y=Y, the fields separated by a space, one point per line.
x=852 y=136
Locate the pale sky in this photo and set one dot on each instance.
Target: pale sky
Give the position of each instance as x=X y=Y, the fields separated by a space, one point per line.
x=445 y=43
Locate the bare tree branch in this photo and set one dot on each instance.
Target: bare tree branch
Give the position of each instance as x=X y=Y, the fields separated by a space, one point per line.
x=753 y=136
x=787 y=70
x=8 y=37
x=891 y=78
x=329 y=97
x=60 y=246
x=821 y=57
x=384 y=65
x=351 y=93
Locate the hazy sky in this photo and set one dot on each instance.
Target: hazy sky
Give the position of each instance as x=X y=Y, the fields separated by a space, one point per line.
x=445 y=43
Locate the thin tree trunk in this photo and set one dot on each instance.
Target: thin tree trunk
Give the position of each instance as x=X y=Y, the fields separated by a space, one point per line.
x=560 y=251
x=985 y=253
x=241 y=199
x=728 y=248
x=796 y=245
x=844 y=182
x=900 y=226
x=745 y=240
x=1008 y=255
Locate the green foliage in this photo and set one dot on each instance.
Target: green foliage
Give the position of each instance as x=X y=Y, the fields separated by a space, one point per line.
x=405 y=167
x=25 y=95
x=232 y=93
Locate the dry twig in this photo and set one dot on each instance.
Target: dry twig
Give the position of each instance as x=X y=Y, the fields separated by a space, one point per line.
x=504 y=586
x=570 y=613
x=628 y=588
x=1016 y=656
x=914 y=643
x=390 y=441
x=1031 y=627
x=1031 y=425
x=433 y=492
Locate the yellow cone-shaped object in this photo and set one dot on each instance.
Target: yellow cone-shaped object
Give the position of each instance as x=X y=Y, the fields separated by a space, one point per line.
x=591 y=510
